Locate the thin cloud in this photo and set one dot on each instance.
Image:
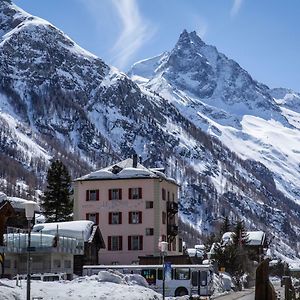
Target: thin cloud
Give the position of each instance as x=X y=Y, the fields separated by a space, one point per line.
x=135 y=33
x=236 y=6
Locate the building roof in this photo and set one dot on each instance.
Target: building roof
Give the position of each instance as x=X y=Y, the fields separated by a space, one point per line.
x=16 y=203
x=74 y=229
x=255 y=238
x=126 y=170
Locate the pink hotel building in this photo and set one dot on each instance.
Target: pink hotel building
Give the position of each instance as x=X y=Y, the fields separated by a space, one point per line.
x=135 y=208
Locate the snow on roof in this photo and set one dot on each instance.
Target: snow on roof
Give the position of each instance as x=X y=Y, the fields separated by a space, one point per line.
x=124 y=170
x=3 y=197
x=19 y=203
x=255 y=238
x=73 y=229
x=294 y=267
x=200 y=247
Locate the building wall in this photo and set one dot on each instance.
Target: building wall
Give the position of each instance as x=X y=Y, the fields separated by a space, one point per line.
x=41 y=263
x=151 y=217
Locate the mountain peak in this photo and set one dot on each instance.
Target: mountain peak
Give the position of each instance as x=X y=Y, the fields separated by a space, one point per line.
x=186 y=39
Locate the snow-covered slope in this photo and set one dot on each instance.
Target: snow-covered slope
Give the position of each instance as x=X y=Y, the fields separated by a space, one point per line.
x=222 y=98
x=58 y=100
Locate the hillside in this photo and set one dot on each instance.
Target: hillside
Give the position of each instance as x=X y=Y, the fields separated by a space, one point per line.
x=59 y=100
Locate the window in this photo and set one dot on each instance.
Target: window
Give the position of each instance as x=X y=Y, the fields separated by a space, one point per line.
x=7 y=263
x=180 y=245
x=163 y=238
x=149 y=204
x=174 y=245
x=135 y=242
x=135 y=217
x=114 y=218
x=115 y=243
x=92 y=195
x=168 y=196
x=93 y=217
x=149 y=231
x=164 y=217
x=115 y=194
x=163 y=194
x=56 y=263
x=182 y=273
x=67 y=264
x=135 y=193
x=173 y=197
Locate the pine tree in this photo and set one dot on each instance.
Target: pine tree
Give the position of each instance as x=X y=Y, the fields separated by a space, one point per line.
x=240 y=236
x=57 y=204
x=225 y=227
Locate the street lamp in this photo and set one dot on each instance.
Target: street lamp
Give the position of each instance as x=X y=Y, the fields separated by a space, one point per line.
x=30 y=207
x=163 y=250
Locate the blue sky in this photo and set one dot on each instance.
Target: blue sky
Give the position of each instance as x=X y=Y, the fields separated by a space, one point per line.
x=263 y=36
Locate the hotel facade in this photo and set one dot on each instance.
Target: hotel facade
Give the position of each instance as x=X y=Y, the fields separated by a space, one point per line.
x=135 y=208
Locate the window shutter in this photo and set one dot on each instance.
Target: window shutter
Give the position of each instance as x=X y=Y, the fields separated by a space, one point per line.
x=129 y=193
x=140 y=193
x=130 y=217
x=87 y=195
x=120 y=194
x=87 y=216
x=141 y=242
x=129 y=242
x=140 y=217
x=109 y=195
x=120 y=218
x=97 y=195
x=97 y=218
x=120 y=243
x=109 y=243
x=110 y=218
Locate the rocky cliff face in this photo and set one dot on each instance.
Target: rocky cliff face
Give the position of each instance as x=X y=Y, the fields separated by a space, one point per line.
x=57 y=99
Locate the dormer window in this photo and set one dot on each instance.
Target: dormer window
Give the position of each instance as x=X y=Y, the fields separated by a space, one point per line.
x=116 y=169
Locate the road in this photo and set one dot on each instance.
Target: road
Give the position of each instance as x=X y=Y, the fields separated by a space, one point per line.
x=248 y=294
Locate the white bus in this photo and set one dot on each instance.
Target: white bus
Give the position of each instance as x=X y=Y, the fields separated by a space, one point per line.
x=193 y=280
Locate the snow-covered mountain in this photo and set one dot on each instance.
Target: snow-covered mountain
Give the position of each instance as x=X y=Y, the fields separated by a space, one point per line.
x=220 y=97
x=59 y=100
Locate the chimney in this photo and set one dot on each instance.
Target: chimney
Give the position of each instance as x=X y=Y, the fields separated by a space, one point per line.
x=134 y=160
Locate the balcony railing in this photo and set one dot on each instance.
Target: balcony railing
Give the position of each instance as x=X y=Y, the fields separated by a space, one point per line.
x=172 y=230
x=172 y=207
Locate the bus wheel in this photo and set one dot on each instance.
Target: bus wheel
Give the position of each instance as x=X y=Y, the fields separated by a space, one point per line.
x=181 y=291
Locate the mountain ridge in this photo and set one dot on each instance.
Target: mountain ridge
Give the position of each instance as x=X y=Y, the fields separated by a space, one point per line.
x=58 y=100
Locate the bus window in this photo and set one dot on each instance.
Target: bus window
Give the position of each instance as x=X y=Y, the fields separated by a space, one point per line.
x=203 y=278
x=149 y=275
x=51 y=278
x=182 y=273
x=195 y=278
x=159 y=274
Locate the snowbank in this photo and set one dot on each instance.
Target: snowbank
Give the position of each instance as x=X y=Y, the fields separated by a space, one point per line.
x=105 y=286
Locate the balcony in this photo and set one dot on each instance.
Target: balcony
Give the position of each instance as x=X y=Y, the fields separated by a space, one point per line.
x=172 y=208
x=172 y=230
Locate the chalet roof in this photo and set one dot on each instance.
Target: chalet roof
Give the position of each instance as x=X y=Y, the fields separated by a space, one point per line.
x=255 y=238
x=125 y=170
x=16 y=203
